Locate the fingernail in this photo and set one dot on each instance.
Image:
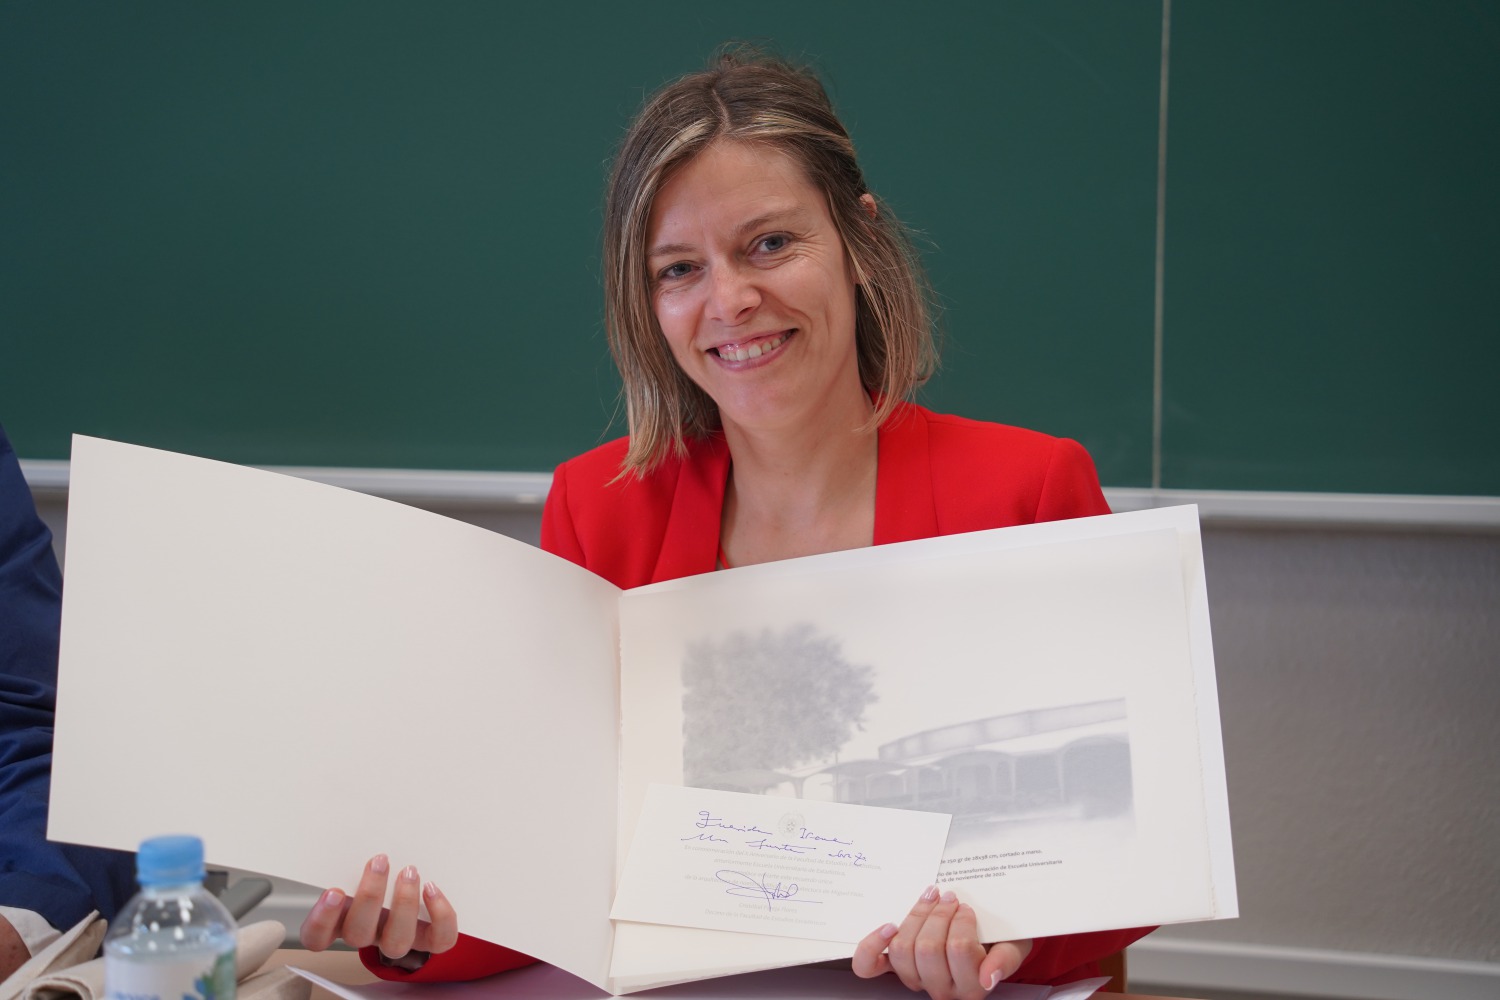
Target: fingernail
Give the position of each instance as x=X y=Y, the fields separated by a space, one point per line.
x=331 y=898
x=380 y=864
x=950 y=896
x=409 y=873
x=929 y=894
x=887 y=932
x=431 y=891
x=993 y=980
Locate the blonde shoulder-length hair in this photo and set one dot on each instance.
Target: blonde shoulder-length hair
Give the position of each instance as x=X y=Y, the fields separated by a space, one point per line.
x=748 y=96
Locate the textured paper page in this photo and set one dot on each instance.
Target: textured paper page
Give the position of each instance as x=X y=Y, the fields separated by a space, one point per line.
x=1066 y=664
x=307 y=676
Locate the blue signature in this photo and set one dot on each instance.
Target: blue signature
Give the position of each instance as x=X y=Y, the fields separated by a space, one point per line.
x=707 y=819
x=711 y=838
x=764 y=845
x=807 y=834
x=858 y=857
x=741 y=884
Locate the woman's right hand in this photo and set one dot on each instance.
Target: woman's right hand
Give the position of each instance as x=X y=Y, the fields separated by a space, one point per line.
x=363 y=919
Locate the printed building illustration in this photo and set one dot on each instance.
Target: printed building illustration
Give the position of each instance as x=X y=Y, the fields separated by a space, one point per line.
x=1065 y=762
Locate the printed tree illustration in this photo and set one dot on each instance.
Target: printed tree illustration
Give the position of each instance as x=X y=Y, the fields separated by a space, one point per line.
x=768 y=701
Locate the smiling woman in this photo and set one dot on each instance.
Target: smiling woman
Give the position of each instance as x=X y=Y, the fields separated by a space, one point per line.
x=769 y=321
x=750 y=108
x=755 y=298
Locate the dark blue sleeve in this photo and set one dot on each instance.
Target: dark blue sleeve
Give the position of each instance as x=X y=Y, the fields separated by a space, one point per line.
x=62 y=882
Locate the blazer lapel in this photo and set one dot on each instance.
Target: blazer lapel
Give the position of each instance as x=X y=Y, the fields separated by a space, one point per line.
x=904 y=505
x=691 y=543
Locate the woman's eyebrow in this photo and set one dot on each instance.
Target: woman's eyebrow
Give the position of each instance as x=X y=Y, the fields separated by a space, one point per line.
x=669 y=249
x=792 y=213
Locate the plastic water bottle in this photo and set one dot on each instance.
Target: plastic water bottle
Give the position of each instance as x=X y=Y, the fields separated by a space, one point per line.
x=173 y=940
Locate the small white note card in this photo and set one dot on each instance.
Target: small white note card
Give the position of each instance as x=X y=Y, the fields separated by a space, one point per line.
x=759 y=864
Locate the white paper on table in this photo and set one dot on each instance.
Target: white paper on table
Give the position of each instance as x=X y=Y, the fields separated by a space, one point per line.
x=757 y=865
x=335 y=675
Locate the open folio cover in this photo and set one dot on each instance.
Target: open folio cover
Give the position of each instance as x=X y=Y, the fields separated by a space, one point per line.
x=307 y=676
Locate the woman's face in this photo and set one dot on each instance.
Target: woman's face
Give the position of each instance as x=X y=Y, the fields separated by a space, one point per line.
x=753 y=291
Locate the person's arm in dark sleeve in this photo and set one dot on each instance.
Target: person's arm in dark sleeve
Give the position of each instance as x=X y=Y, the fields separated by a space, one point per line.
x=61 y=882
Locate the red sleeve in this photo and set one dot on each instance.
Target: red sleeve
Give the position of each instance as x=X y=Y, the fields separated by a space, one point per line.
x=558 y=534
x=1071 y=957
x=1071 y=486
x=470 y=958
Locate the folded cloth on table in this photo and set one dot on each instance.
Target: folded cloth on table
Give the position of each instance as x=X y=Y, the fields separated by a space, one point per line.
x=253 y=945
x=77 y=944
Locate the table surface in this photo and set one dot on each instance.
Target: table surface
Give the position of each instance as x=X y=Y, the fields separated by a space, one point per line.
x=345 y=967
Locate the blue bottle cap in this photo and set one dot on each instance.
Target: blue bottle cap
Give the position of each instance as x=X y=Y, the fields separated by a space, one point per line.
x=169 y=860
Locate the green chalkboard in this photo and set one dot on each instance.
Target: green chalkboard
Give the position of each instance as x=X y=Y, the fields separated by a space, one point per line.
x=365 y=232
x=1333 y=247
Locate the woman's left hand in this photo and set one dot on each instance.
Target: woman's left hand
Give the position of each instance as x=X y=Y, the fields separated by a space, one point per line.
x=937 y=949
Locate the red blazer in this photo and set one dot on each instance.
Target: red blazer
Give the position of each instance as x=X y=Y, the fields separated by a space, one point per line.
x=937 y=475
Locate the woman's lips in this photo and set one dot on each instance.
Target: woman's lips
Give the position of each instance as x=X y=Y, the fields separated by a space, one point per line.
x=752 y=348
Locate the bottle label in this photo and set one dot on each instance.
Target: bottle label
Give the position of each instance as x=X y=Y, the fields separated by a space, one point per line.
x=170 y=977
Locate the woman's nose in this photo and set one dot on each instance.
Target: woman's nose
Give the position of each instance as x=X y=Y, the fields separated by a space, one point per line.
x=733 y=294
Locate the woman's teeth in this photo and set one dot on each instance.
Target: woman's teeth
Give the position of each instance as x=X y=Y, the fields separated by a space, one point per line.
x=734 y=352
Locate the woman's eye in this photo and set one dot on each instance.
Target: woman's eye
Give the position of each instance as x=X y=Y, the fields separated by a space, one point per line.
x=673 y=271
x=771 y=244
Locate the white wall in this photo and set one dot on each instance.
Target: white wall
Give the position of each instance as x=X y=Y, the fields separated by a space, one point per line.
x=1359 y=681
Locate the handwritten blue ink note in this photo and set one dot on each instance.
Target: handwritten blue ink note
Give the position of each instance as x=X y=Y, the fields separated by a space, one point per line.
x=759 y=864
